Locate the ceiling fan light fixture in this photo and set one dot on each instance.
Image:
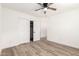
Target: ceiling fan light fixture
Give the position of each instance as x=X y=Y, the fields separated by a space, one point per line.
x=45 y=9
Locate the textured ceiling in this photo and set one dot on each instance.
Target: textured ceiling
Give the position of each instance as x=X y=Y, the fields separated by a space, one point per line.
x=30 y=7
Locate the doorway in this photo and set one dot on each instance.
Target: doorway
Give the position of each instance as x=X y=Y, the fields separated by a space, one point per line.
x=31 y=31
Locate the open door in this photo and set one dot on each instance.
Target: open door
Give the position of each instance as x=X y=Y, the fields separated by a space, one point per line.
x=31 y=31
x=36 y=30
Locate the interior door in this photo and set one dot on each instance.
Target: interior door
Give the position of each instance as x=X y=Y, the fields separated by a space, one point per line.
x=31 y=31
x=36 y=30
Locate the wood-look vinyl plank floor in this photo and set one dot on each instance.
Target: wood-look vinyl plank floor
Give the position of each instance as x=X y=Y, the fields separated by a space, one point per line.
x=40 y=48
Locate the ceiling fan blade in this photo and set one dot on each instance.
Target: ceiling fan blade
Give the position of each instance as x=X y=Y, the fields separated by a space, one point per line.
x=40 y=4
x=50 y=4
x=52 y=8
x=39 y=9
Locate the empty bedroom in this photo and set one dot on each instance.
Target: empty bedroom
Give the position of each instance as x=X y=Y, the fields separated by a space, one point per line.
x=39 y=29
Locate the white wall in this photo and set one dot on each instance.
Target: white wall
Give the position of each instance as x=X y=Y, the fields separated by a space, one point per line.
x=15 y=28
x=64 y=28
x=0 y=21
x=0 y=18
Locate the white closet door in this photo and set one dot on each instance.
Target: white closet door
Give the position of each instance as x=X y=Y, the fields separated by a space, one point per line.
x=36 y=30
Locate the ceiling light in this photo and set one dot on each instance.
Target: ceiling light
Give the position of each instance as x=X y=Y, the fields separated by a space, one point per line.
x=45 y=9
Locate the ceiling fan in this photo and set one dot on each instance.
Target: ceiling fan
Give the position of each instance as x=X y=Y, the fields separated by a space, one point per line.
x=45 y=6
